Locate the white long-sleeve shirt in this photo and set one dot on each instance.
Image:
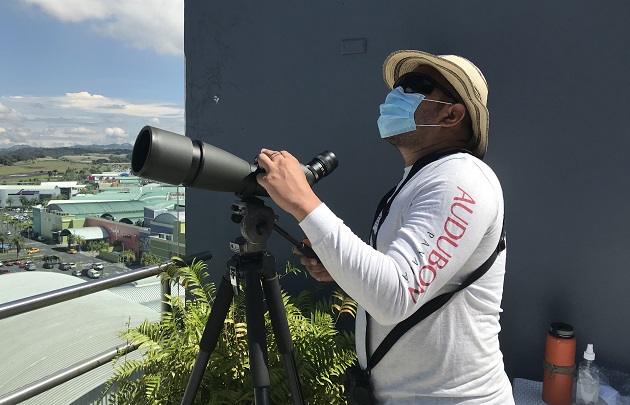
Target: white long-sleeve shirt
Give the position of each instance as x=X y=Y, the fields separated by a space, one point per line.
x=443 y=224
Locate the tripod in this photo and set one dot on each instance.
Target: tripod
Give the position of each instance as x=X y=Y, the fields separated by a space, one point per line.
x=254 y=266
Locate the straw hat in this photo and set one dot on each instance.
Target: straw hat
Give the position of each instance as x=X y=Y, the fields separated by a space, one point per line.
x=465 y=77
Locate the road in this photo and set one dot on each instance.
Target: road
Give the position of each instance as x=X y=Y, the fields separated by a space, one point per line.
x=17 y=175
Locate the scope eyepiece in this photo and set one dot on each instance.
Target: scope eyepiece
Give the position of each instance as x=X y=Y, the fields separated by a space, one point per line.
x=322 y=165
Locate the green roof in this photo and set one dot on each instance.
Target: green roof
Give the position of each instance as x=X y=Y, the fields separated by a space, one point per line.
x=99 y=207
x=48 y=340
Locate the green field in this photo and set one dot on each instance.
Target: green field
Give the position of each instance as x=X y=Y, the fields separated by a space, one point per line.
x=34 y=171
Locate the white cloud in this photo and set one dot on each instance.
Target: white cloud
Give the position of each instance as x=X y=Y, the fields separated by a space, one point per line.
x=80 y=131
x=116 y=132
x=80 y=118
x=96 y=102
x=9 y=114
x=142 y=24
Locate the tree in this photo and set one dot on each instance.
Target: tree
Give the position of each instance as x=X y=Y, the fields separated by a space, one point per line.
x=322 y=353
x=91 y=188
x=98 y=246
x=6 y=218
x=149 y=258
x=69 y=175
x=19 y=242
x=3 y=239
x=127 y=256
x=10 y=201
x=24 y=226
x=80 y=241
x=71 y=239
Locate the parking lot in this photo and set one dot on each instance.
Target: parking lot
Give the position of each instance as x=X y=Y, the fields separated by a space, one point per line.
x=76 y=264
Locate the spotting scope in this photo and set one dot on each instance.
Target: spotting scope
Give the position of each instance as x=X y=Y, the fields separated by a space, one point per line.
x=176 y=159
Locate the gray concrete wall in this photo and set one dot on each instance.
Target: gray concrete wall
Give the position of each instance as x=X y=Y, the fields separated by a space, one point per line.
x=294 y=75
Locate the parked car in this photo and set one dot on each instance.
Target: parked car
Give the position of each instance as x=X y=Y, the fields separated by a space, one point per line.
x=72 y=251
x=32 y=250
x=9 y=263
x=64 y=266
x=4 y=271
x=1 y=264
x=31 y=266
x=93 y=273
x=20 y=264
x=9 y=233
x=48 y=265
x=77 y=273
x=97 y=266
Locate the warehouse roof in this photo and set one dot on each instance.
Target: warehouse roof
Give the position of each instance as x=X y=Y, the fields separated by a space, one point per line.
x=47 y=340
x=96 y=207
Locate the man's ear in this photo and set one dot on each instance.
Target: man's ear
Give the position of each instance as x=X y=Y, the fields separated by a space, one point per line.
x=455 y=115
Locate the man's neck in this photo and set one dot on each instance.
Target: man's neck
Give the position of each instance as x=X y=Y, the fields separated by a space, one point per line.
x=410 y=155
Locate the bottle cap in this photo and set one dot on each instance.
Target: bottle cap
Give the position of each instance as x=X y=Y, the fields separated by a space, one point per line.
x=589 y=354
x=561 y=330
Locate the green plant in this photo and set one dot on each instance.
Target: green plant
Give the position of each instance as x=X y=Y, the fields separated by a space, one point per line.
x=98 y=246
x=149 y=258
x=169 y=349
x=127 y=256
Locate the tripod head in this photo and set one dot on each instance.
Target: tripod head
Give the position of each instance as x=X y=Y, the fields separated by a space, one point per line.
x=256 y=222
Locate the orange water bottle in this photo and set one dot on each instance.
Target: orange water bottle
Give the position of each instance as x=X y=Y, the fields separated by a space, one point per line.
x=559 y=364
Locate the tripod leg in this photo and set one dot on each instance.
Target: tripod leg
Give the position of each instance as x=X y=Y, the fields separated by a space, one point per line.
x=209 y=338
x=257 y=343
x=281 y=331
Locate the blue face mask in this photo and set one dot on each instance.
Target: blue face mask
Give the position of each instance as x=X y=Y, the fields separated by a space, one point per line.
x=397 y=112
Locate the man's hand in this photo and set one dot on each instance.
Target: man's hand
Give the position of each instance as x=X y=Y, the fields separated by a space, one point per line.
x=316 y=269
x=286 y=183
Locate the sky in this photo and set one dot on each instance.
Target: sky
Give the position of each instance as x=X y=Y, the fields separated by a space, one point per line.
x=80 y=72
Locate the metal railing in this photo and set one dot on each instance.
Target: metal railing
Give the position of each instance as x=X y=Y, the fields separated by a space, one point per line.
x=67 y=374
x=46 y=299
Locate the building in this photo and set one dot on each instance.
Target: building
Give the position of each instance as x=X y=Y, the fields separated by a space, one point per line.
x=168 y=235
x=15 y=195
x=129 y=217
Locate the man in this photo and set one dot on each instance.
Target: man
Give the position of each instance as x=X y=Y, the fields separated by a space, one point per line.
x=440 y=224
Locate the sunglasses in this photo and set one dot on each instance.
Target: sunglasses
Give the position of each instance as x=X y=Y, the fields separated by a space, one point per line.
x=413 y=82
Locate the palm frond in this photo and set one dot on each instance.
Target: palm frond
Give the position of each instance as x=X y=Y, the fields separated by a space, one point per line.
x=169 y=349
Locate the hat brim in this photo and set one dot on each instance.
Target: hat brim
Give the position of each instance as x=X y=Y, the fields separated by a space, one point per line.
x=400 y=62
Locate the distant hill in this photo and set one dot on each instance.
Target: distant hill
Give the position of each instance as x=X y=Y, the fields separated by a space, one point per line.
x=100 y=148
x=14 y=148
x=91 y=148
x=19 y=153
